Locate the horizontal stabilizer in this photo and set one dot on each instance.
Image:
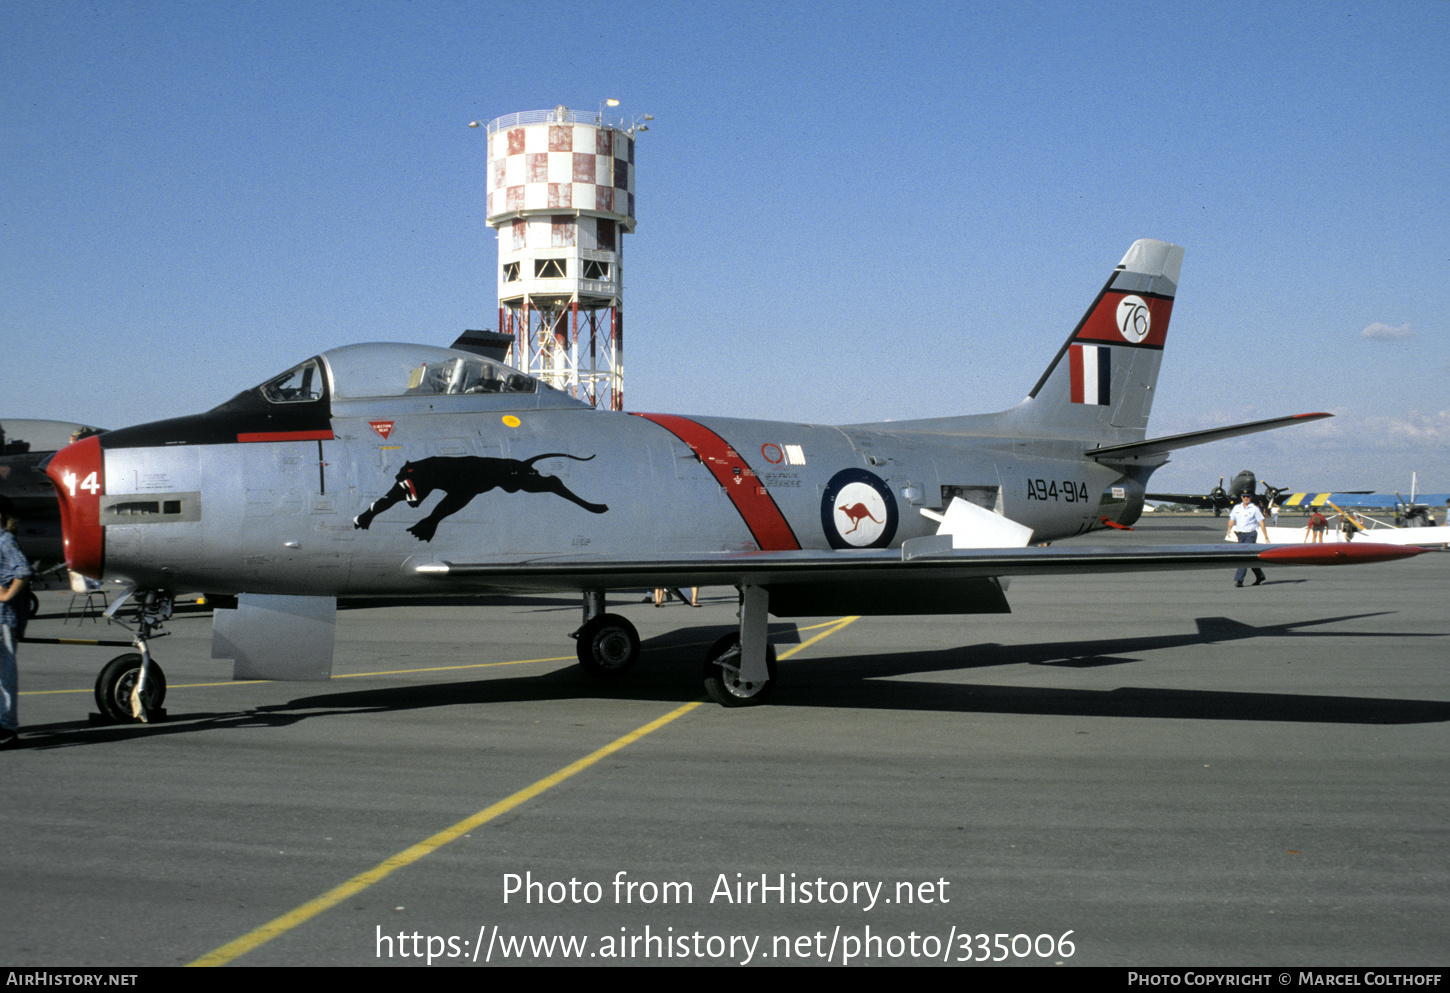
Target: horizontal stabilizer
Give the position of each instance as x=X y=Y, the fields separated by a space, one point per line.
x=1162 y=446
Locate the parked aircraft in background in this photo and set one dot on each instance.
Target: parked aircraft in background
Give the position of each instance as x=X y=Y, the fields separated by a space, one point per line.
x=1413 y=512
x=1219 y=499
x=1416 y=511
x=25 y=489
x=388 y=469
x=1366 y=529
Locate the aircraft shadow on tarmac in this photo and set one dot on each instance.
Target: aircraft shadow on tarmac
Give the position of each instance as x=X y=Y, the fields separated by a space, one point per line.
x=668 y=672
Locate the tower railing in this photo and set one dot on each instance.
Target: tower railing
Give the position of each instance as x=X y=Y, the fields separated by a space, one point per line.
x=552 y=117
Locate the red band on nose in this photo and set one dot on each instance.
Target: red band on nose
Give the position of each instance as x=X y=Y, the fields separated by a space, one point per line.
x=78 y=474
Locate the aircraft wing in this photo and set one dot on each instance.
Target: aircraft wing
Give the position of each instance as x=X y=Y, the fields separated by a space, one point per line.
x=1168 y=443
x=1192 y=500
x=924 y=576
x=1361 y=498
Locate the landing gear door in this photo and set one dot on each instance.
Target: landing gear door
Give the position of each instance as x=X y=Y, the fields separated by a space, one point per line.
x=276 y=637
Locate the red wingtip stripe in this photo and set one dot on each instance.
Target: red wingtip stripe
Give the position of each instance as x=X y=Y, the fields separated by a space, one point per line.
x=1339 y=554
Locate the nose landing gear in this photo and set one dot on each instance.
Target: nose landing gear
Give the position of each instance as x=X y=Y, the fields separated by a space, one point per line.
x=132 y=688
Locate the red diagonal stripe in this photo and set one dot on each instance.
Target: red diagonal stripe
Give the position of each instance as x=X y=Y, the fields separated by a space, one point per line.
x=772 y=532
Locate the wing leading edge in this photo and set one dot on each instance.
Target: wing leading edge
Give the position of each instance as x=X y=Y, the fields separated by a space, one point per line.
x=925 y=576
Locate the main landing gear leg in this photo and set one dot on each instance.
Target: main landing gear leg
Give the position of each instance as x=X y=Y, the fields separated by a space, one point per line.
x=740 y=668
x=593 y=605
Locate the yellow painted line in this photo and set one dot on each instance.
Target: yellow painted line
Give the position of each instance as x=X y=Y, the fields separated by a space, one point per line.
x=336 y=675
x=831 y=628
x=833 y=625
x=281 y=925
x=449 y=668
x=235 y=949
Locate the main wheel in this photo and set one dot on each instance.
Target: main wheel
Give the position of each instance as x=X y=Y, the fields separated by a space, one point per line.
x=118 y=679
x=608 y=646
x=722 y=674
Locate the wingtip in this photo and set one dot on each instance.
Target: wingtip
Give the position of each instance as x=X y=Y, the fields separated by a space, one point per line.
x=1337 y=554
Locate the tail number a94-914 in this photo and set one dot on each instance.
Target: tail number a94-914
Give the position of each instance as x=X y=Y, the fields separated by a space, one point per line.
x=1067 y=490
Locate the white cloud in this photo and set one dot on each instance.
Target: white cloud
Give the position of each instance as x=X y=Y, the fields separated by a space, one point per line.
x=1380 y=331
x=1415 y=428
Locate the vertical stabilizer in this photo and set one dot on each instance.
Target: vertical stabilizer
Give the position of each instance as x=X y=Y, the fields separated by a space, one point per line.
x=1100 y=384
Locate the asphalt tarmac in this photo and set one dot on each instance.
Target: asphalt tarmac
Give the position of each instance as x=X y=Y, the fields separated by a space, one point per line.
x=1139 y=769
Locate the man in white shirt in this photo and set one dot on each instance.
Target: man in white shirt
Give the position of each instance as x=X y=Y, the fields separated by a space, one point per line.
x=1245 y=524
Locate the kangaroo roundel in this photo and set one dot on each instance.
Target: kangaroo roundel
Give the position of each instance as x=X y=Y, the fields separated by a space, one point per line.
x=858 y=510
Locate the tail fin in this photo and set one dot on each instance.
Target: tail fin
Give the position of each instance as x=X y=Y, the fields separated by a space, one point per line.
x=1100 y=384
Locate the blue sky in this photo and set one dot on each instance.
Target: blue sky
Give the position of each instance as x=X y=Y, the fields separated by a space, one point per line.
x=846 y=211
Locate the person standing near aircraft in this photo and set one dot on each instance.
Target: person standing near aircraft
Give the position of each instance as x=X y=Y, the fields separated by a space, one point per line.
x=1246 y=521
x=662 y=595
x=1350 y=525
x=14 y=577
x=1314 y=530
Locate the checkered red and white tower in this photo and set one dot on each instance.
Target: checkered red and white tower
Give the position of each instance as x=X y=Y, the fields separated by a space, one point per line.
x=561 y=195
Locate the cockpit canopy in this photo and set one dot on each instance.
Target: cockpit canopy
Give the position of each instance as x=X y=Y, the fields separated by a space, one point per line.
x=374 y=371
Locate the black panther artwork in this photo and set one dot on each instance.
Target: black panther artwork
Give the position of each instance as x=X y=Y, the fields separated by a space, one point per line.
x=464 y=477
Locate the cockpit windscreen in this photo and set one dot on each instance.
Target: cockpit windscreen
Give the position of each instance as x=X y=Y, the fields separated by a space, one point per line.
x=300 y=384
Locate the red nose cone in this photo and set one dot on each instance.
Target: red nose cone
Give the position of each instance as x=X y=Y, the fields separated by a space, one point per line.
x=78 y=476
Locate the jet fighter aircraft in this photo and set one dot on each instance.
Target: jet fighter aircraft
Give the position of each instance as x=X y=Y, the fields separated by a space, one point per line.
x=390 y=469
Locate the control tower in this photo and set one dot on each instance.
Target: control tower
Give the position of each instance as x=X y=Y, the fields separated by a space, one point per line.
x=561 y=196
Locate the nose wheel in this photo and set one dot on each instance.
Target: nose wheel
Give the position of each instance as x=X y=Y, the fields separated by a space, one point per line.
x=608 y=646
x=117 y=681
